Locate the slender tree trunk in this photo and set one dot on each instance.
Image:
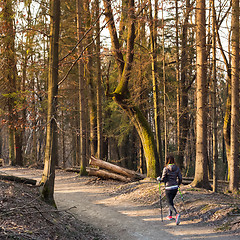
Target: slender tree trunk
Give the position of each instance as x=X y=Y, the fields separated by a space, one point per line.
x=18 y=145
x=141 y=36
x=227 y=125
x=164 y=90
x=99 y=89
x=82 y=97
x=9 y=72
x=234 y=140
x=178 y=81
x=11 y=144
x=123 y=21
x=227 y=117
x=63 y=143
x=91 y=84
x=201 y=170
x=214 y=114
x=183 y=95
x=48 y=177
x=155 y=89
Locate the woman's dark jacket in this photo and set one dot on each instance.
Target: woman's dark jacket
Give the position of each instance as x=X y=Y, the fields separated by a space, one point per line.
x=171 y=176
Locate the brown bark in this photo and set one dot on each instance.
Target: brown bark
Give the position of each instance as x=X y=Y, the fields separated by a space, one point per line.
x=153 y=42
x=99 y=90
x=114 y=38
x=89 y=77
x=234 y=140
x=183 y=92
x=227 y=117
x=10 y=72
x=164 y=89
x=48 y=177
x=82 y=95
x=201 y=171
x=106 y=175
x=214 y=114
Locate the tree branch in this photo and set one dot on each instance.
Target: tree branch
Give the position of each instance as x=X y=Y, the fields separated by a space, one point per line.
x=84 y=35
x=114 y=38
x=70 y=69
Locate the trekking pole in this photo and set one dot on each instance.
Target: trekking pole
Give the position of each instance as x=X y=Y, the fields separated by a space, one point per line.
x=160 y=193
x=181 y=194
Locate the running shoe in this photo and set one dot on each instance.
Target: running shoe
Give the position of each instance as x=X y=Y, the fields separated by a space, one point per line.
x=177 y=219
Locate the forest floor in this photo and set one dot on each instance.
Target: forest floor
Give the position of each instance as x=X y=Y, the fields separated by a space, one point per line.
x=90 y=208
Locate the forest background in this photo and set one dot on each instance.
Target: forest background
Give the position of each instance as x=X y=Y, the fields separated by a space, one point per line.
x=163 y=78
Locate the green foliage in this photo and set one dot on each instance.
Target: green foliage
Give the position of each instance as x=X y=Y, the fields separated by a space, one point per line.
x=117 y=124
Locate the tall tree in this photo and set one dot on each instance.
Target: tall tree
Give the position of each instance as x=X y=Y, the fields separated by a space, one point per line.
x=89 y=77
x=234 y=139
x=121 y=95
x=82 y=95
x=214 y=83
x=201 y=169
x=99 y=88
x=164 y=88
x=153 y=42
x=48 y=177
x=10 y=75
x=183 y=90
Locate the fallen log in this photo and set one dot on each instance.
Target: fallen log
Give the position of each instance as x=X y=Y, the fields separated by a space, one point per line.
x=73 y=169
x=106 y=175
x=116 y=169
x=18 y=179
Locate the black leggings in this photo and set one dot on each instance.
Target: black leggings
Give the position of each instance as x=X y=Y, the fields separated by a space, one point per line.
x=170 y=196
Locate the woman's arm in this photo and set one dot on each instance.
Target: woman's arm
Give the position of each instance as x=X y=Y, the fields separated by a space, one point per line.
x=164 y=175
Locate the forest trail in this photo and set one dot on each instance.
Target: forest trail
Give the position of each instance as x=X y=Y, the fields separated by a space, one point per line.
x=122 y=220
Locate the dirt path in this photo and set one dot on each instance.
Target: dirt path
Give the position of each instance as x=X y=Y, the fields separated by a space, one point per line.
x=120 y=219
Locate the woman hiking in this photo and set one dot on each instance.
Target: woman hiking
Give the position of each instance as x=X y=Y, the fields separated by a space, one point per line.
x=172 y=178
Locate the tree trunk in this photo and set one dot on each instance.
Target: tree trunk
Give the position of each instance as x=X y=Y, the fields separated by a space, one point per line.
x=123 y=21
x=214 y=114
x=234 y=143
x=155 y=89
x=10 y=72
x=48 y=177
x=63 y=143
x=18 y=144
x=82 y=96
x=183 y=91
x=99 y=89
x=164 y=90
x=143 y=92
x=227 y=117
x=89 y=77
x=11 y=144
x=178 y=84
x=201 y=170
